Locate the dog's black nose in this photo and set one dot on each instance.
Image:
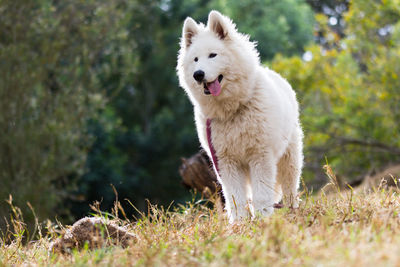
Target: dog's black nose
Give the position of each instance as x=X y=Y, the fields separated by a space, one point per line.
x=198 y=75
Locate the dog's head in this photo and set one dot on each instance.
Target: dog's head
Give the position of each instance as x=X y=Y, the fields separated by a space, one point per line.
x=215 y=62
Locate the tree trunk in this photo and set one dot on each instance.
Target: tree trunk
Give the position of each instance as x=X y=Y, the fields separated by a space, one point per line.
x=197 y=173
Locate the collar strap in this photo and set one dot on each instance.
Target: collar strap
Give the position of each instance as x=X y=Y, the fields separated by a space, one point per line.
x=210 y=145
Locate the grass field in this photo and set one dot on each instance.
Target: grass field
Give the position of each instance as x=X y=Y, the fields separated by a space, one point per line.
x=341 y=229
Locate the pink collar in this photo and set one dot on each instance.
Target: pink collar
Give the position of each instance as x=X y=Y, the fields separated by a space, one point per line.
x=210 y=145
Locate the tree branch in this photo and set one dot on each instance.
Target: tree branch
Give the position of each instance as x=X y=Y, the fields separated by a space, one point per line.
x=352 y=141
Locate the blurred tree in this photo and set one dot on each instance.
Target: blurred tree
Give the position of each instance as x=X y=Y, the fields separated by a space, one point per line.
x=140 y=157
x=332 y=11
x=49 y=51
x=284 y=26
x=350 y=93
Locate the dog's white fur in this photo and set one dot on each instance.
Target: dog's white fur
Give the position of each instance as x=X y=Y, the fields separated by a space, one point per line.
x=255 y=120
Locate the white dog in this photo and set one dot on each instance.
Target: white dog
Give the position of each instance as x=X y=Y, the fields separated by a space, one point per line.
x=246 y=116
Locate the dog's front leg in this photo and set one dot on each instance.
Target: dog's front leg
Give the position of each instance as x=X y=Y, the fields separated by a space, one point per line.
x=263 y=179
x=234 y=185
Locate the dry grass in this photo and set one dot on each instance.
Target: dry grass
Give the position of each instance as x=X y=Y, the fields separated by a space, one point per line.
x=342 y=229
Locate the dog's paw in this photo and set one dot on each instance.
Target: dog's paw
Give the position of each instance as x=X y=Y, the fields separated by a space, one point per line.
x=294 y=203
x=264 y=212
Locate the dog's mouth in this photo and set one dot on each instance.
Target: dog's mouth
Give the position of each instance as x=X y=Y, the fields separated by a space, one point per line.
x=213 y=87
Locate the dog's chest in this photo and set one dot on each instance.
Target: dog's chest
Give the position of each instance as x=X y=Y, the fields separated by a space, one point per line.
x=236 y=138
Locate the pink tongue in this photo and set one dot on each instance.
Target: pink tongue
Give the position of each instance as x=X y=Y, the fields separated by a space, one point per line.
x=214 y=87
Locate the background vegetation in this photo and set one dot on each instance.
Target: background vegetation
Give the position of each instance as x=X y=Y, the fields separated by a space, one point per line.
x=89 y=96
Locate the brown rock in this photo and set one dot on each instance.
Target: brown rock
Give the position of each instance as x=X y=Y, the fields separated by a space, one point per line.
x=96 y=232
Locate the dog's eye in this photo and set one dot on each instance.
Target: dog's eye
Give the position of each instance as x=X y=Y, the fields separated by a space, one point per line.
x=212 y=55
x=196 y=59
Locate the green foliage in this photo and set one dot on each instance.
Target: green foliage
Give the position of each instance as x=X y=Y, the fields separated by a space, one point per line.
x=48 y=91
x=140 y=154
x=350 y=94
x=278 y=26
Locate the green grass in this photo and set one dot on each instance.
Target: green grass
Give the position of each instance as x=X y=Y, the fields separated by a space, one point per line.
x=342 y=229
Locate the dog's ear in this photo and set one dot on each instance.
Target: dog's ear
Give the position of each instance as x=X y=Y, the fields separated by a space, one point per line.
x=218 y=24
x=190 y=29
